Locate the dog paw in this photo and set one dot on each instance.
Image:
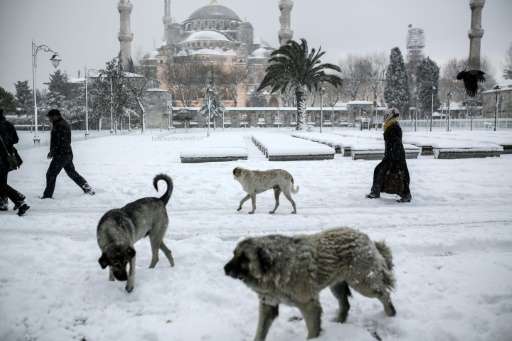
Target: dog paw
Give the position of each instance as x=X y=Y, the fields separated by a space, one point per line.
x=251 y=212
x=271 y=212
x=239 y=209
x=128 y=288
x=294 y=212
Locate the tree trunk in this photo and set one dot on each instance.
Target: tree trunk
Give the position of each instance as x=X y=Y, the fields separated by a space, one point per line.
x=300 y=95
x=142 y=113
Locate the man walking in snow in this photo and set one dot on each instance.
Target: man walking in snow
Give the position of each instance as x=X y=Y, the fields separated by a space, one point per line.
x=62 y=156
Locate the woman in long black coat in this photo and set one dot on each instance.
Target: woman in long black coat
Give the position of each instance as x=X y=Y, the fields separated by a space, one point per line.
x=393 y=163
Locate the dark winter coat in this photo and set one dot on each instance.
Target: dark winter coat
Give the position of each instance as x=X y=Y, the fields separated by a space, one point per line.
x=394 y=161
x=394 y=152
x=60 y=143
x=10 y=138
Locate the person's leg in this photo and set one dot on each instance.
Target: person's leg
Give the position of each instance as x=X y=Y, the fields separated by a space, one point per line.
x=378 y=180
x=406 y=195
x=3 y=197
x=51 y=177
x=70 y=170
x=16 y=197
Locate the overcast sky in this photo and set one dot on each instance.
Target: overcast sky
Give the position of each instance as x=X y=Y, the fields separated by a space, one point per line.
x=85 y=31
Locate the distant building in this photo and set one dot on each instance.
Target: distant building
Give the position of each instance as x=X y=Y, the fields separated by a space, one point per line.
x=504 y=101
x=415 y=45
x=213 y=34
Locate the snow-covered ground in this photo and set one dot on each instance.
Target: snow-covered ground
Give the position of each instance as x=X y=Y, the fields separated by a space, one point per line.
x=452 y=247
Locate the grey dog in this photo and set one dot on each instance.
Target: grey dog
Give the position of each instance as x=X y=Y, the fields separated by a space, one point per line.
x=254 y=182
x=293 y=271
x=119 y=229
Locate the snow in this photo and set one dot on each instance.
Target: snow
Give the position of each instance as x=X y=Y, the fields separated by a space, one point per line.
x=206 y=36
x=452 y=246
x=280 y=144
x=217 y=146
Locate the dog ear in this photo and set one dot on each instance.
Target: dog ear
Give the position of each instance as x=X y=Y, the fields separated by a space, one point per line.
x=130 y=252
x=236 y=171
x=103 y=260
x=265 y=259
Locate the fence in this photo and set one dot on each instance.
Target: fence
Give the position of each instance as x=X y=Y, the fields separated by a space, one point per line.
x=458 y=124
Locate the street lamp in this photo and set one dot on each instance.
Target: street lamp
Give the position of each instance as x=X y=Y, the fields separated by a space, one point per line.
x=432 y=112
x=497 y=89
x=449 y=96
x=55 y=60
x=321 y=108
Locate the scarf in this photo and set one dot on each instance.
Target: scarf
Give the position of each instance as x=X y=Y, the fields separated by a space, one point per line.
x=390 y=121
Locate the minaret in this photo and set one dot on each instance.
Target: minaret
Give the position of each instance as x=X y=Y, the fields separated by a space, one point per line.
x=285 y=33
x=167 y=19
x=125 y=36
x=475 y=34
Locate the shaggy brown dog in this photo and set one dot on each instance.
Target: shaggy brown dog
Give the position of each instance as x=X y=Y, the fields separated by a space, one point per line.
x=293 y=271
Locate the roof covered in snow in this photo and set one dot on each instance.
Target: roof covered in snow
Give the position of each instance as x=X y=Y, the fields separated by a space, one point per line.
x=214 y=11
x=206 y=36
x=261 y=53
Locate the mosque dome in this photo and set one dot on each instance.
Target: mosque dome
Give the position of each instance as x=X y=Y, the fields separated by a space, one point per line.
x=206 y=36
x=214 y=11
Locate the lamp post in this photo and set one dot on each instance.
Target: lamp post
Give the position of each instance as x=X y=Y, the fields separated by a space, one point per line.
x=432 y=111
x=86 y=104
x=321 y=108
x=497 y=89
x=55 y=59
x=449 y=96
x=169 y=107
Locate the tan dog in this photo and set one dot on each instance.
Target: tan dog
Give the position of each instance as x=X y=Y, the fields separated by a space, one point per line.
x=254 y=182
x=293 y=271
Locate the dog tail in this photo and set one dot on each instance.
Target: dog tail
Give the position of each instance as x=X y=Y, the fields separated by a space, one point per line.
x=295 y=189
x=167 y=195
x=385 y=252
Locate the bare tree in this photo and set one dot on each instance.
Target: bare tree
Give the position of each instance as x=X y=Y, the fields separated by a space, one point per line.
x=449 y=84
x=187 y=80
x=356 y=73
x=230 y=78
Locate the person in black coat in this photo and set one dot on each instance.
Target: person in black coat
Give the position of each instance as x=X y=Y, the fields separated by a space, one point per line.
x=9 y=138
x=61 y=155
x=394 y=161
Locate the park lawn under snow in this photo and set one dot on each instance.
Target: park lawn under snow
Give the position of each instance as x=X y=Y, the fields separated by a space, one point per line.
x=452 y=247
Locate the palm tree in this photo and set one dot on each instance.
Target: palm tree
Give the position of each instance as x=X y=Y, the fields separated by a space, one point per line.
x=294 y=67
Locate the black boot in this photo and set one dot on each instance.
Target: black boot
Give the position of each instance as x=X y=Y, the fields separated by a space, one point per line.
x=405 y=198
x=373 y=195
x=88 y=189
x=4 y=206
x=23 y=209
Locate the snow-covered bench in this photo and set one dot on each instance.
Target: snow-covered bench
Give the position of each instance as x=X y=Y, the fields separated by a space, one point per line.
x=280 y=147
x=213 y=154
x=465 y=150
x=216 y=149
x=332 y=140
x=370 y=147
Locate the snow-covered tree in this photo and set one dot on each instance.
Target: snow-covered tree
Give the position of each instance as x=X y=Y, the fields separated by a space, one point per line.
x=396 y=89
x=7 y=101
x=507 y=70
x=427 y=77
x=24 y=98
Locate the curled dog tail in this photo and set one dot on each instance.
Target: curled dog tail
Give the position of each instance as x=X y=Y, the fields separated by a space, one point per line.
x=167 y=195
x=385 y=252
x=295 y=189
